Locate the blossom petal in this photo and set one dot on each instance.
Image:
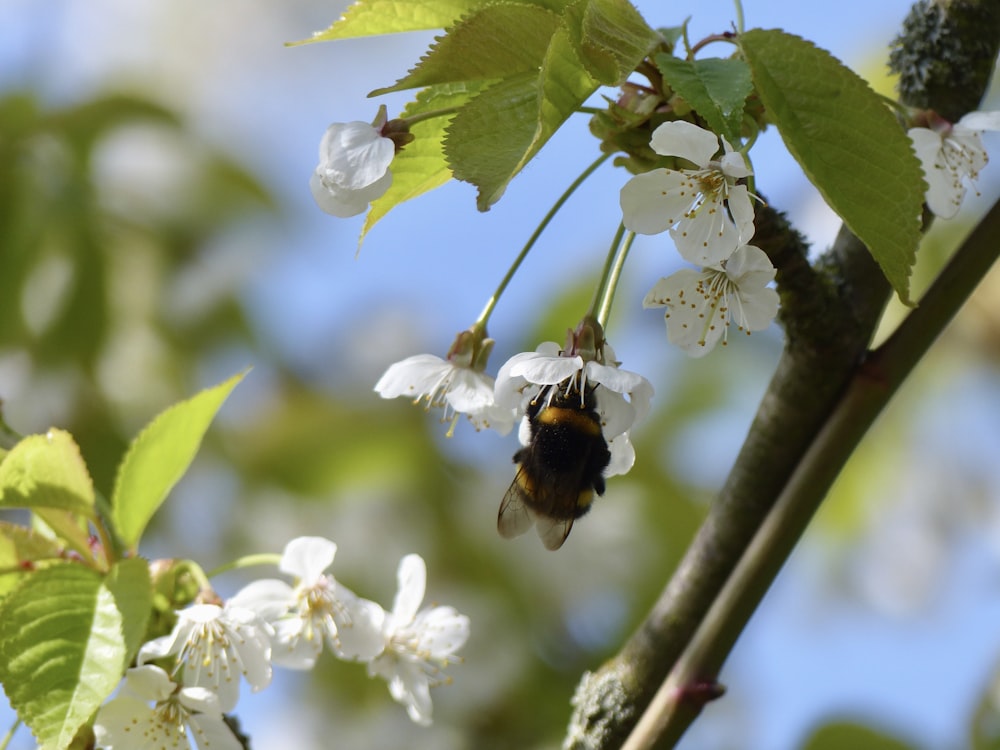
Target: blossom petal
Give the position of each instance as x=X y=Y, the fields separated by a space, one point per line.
x=413 y=377
x=622 y=456
x=412 y=579
x=360 y=626
x=354 y=154
x=212 y=733
x=149 y=682
x=707 y=236
x=307 y=557
x=654 y=201
x=945 y=189
x=443 y=631
x=686 y=140
x=980 y=121
x=268 y=597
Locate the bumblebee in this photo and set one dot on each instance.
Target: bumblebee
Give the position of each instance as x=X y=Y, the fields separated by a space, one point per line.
x=560 y=468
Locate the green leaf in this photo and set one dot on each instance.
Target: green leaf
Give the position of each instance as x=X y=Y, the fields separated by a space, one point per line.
x=421 y=165
x=841 y=736
x=497 y=41
x=47 y=471
x=373 y=17
x=846 y=141
x=158 y=458
x=715 y=88
x=610 y=37
x=488 y=138
x=498 y=132
x=131 y=588
x=62 y=650
x=20 y=548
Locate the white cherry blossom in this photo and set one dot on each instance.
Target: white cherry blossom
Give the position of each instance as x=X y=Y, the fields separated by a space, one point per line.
x=708 y=214
x=176 y=718
x=315 y=610
x=418 y=644
x=523 y=376
x=445 y=384
x=951 y=156
x=215 y=645
x=353 y=169
x=701 y=304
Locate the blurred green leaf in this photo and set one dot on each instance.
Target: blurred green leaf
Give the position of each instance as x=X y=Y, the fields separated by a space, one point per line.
x=844 y=736
x=158 y=458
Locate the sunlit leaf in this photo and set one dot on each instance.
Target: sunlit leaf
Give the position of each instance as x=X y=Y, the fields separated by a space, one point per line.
x=62 y=650
x=47 y=471
x=158 y=458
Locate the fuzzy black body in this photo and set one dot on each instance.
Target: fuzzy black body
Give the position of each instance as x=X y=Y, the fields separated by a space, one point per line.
x=559 y=470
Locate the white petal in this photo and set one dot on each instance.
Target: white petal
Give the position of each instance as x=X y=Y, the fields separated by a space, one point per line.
x=709 y=236
x=685 y=139
x=413 y=377
x=442 y=631
x=617 y=414
x=741 y=207
x=733 y=164
x=149 y=682
x=544 y=370
x=980 y=121
x=160 y=647
x=470 y=391
x=120 y=720
x=268 y=597
x=412 y=579
x=750 y=266
x=757 y=310
x=654 y=201
x=201 y=699
x=360 y=627
x=354 y=154
x=290 y=648
x=344 y=202
x=622 y=456
x=307 y=558
x=945 y=190
x=212 y=733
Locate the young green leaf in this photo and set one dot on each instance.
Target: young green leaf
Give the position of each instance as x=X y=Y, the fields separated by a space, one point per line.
x=20 y=549
x=421 y=166
x=611 y=38
x=373 y=17
x=715 y=88
x=847 y=142
x=158 y=458
x=47 y=471
x=62 y=649
x=498 y=132
x=496 y=41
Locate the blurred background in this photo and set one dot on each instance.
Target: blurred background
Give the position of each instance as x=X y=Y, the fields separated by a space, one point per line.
x=157 y=235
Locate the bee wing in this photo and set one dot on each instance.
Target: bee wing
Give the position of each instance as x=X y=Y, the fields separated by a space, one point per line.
x=514 y=517
x=553 y=531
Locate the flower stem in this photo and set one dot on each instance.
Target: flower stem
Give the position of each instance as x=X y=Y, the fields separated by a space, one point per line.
x=247 y=561
x=484 y=316
x=612 y=273
x=5 y=742
x=871 y=388
x=739 y=16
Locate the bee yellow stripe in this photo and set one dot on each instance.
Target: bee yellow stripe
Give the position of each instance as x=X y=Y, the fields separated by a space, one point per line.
x=580 y=420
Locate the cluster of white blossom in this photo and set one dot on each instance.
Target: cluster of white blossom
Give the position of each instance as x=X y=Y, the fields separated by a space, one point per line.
x=710 y=218
x=270 y=623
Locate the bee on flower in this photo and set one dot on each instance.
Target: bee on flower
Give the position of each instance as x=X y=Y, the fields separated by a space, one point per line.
x=574 y=430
